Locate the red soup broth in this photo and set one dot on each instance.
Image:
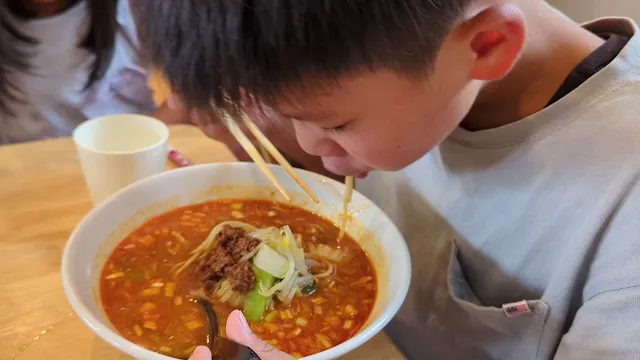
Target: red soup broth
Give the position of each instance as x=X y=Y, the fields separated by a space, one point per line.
x=154 y=310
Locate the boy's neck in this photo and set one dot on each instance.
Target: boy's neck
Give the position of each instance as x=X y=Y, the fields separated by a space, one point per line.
x=555 y=46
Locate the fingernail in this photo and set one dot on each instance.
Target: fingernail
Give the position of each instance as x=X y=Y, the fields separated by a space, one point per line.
x=238 y=329
x=245 y=324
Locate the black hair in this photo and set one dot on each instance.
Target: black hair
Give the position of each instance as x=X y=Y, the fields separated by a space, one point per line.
x=15 y=46
x=211 y=49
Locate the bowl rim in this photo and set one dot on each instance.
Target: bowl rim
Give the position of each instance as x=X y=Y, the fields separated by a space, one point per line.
x=104 y=331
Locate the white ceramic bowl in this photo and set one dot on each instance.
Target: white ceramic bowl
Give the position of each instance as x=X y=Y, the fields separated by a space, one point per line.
x=106 y=225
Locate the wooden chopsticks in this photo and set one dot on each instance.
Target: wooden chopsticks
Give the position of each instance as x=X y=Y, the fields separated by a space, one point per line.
x=267 y=146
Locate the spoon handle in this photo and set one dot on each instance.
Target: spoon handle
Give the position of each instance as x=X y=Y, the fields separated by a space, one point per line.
x=241 y=352
x=212 y=319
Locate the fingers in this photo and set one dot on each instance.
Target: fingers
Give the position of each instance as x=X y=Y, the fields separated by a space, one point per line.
x=239 y=153
x=211 y=125
x=238 y=330
x=174 y=102
x=209 y=122
x=201 y=353
x=279 y=130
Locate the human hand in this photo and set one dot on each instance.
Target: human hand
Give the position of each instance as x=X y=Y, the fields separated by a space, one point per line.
x=238 y=330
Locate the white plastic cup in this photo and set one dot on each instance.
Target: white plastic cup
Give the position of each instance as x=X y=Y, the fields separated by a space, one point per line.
x=118 y=150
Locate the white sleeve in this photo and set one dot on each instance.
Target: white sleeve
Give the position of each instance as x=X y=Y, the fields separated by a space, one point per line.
x=128 y=31
x=125 y=86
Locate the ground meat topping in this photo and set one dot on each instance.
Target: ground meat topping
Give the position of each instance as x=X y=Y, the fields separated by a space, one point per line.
x=229 y=235
x=233 y=244
x=242 y=277
x=236 y=241
x=216 y=264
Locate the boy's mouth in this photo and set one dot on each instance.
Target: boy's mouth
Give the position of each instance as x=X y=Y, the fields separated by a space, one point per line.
x=343 y=167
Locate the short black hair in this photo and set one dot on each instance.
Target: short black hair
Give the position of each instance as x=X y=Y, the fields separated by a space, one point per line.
x=211 y=49
x=16 y=47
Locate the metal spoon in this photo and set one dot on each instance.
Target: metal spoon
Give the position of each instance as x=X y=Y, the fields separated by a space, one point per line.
x=221 y=348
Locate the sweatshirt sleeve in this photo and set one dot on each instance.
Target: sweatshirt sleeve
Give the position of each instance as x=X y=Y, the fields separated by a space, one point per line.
x=605 y=327
x=607 y=324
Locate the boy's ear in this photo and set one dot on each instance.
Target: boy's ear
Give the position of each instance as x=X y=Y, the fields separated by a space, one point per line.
x=496 y=37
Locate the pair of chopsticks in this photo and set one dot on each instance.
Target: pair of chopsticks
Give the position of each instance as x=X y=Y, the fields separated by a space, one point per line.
x=267 y=148
x=348 y=195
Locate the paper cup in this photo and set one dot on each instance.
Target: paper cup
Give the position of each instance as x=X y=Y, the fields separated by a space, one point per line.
x=118 y=150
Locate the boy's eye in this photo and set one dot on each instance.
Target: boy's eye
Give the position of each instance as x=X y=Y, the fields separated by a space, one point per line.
x=340 y=128
x=337 y=129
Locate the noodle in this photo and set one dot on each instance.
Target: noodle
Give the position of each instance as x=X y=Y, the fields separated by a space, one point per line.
x=232 y=261
x=348 y=192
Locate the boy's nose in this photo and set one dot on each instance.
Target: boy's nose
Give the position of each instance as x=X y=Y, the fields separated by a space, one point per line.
x=315 y=142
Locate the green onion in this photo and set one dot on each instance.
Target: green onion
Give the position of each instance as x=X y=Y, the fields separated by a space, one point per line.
x=254 y=303
x=236 y=206
x=136 y=276
x=309 y=289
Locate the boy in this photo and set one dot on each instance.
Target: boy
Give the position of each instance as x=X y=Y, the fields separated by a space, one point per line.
x=500 y=137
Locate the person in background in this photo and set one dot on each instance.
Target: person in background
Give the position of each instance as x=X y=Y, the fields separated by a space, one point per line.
x=65 y=61
x=500 y=137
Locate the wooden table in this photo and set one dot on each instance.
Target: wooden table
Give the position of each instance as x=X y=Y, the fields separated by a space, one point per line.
x=42 y=198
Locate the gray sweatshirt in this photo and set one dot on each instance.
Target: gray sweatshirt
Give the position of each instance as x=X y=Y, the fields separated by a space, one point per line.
x=525 y=239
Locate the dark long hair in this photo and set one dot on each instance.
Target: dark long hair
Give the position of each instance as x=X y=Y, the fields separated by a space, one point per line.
x=14 y=55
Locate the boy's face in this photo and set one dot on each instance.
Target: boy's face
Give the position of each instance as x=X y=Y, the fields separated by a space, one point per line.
x=382 y=120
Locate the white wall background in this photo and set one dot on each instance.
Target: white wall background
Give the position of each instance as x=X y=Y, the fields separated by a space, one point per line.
x=584 y=10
